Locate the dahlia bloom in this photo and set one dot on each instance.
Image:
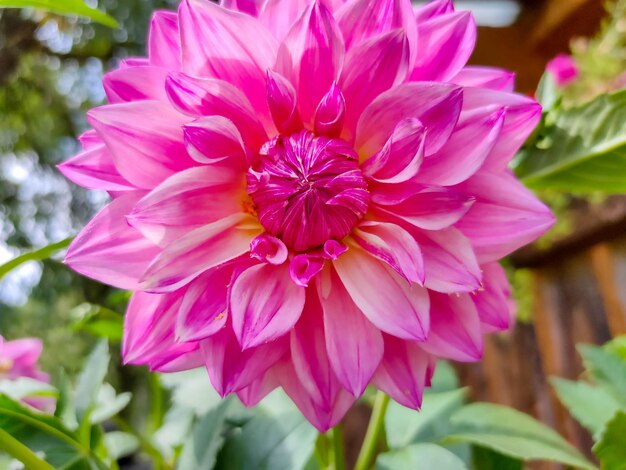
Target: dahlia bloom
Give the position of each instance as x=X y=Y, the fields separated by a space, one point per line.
x=308 y=194
x=564 y=69
x=18 y=359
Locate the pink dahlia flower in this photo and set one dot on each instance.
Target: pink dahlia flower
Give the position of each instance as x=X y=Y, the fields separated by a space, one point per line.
x=564 y=69
x=308 y=194
x=18 y=359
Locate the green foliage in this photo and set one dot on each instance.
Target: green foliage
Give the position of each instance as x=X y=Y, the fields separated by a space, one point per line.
x=511 y=433
x=37 y=255
x=611 y=447
x=63 y=7
x=591 y=405
x=420 y=456
x=45 y=434
x=580 y=149
x=601 y=406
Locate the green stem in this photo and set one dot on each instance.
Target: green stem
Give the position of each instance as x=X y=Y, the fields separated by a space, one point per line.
x=375 y=432
x=337 y=454
x=16 y=449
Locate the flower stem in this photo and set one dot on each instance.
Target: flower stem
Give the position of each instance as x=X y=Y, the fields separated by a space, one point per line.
x=375 y=431
x=16 y=449
x=337 y=454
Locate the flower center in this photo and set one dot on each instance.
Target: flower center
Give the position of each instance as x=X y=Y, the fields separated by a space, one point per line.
x=308 y=189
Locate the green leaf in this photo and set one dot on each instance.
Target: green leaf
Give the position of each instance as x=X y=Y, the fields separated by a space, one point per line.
x=607 y=368
x=108 y=404
x=45 y=435
x=611 y=448
x=420 y=456
x=120 y=444
x=584 y=150
x=487 y=459
x=98 y=321
x=282 y=441
x=547 y=92
x=63 y=7
x=65 y=409
x=201 y=448
x=592 y=406
x=90 y=380
x=512 y=433
x=37 y=255
x=404 y=426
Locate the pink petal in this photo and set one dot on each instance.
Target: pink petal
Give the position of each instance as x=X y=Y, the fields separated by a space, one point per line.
x=230 y=368
x=465 y=152
x=353 y=344
x=204 y=307
x=94 y=169
x=493 y=300
x=214 y=139
x=226 y=44
x=371 y=68
x=258 y=389
x=447 y=42
x=135 y=84
x=330 y=113
x=455 y=331
x=182 y=357
x=522 y=115
x=280 y=15
x=485 y=77
x=393 y=245
x=186 y=201
x=437 y=106
x=401 y=157
x=198 y=251
x=250 y=7
x=24 y=352
x=268 y=249
x=334 y=249
x=402 y=374
x=321 y=416
x=304 y=267
x=264 y=304
x=164 y=41
x=145 y=139
x=111 y=251
x=311 y=56
x=430 y=208
x=433 y=9
x=449 y=261
x=282 y=100
x=212 y=97
x=308 y=353
x=386 y=299
x=360 y=20
x=149 y=327
x=505 y=216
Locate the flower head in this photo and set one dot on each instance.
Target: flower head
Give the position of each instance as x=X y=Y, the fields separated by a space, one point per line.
x=311 y=194
x=564 y=69
x=18 y=359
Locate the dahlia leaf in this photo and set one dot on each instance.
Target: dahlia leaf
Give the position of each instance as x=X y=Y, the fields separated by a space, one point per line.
x=511 y=433
x=45 y=434
x=201 y=448
x=271 y=441
x=611 y=449
x=607 y=368
x=120 y=444
x=404 y=427
x=424 y=455
x=592 y=406
x=90 y=380
x=37 y=255
x=583 y=150
x=63 y=7
x=487 y=459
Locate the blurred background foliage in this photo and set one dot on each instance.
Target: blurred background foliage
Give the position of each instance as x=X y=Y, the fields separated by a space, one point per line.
x=50 y=74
